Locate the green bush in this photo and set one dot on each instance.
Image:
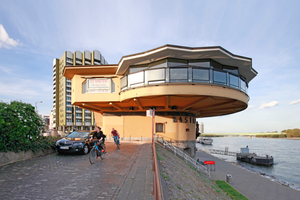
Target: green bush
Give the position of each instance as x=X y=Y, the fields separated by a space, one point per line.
x=292 y=132
x=20 y=128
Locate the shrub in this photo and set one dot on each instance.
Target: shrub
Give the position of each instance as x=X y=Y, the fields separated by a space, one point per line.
x=20 y=127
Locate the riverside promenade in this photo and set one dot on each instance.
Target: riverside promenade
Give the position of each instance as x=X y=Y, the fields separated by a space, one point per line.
x=122 y=174
x=250 y=184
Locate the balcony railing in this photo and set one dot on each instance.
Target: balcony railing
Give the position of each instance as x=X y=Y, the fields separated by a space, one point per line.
x=189 y=75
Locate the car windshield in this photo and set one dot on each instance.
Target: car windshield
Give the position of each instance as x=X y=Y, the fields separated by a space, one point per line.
x=78 y=135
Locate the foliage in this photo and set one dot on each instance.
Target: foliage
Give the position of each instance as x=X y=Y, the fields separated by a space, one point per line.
x=292 y=132
x=20 y=127
x=230 y=191
x=272 y=136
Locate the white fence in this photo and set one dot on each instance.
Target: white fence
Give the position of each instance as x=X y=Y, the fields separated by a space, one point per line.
x=185 y=157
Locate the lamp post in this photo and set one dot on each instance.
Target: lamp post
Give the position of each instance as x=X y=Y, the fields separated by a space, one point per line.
x=36 y=110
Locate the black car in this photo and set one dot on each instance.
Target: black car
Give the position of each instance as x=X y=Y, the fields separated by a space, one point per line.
x=77 y=141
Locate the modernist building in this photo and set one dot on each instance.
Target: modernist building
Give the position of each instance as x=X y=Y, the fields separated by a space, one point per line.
x=68 y=117
x=181 y=83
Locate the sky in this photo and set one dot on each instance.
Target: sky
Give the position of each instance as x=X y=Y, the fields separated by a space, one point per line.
x=33 y=33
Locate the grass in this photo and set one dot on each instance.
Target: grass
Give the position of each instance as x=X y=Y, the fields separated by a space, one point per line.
x=158 y=156
x=230 y=191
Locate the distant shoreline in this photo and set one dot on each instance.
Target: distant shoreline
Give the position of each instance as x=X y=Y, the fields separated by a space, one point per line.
x=247 y=135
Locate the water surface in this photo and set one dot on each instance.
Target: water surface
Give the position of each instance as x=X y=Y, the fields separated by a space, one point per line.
x=285 y=152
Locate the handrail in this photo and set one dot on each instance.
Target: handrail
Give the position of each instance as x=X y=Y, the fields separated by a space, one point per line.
x=156 y=177
x=178 y=152
x=239 y=83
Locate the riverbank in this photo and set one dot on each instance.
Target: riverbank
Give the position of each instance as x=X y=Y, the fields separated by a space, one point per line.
x=250 y=184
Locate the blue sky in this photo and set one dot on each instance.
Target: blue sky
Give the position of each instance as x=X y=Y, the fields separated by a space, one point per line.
x=33 y=33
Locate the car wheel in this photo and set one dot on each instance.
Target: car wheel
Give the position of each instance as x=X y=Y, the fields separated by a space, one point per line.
x=85 y=149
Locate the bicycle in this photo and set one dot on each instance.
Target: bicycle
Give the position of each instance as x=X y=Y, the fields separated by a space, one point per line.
x=117 y=141
x=95 y=152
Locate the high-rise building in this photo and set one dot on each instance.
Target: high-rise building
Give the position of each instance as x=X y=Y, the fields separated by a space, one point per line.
x=68 y=117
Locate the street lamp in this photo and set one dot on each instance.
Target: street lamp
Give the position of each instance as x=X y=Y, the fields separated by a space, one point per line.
x=36 y=105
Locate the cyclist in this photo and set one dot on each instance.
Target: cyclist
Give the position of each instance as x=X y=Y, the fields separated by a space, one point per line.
x=98 y=134
x=116 y=136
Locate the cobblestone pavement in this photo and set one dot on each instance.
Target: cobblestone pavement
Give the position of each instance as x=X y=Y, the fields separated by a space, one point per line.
x=182 y=182
x=122 y=174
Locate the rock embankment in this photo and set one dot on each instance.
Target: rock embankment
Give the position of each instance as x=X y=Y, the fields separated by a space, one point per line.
x=181 y=181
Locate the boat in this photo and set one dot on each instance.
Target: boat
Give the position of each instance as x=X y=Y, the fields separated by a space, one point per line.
x=204 y=140
x=252 y=158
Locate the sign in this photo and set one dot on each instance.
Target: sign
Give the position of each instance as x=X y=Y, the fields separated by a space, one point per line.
x=99 y=85
x=184 y=119
x=209 y=162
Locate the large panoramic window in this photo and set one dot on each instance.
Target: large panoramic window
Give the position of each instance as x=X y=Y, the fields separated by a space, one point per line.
x=172 y=70
x=176 y=62
x=219 y=77
x=178 y=74
x=200 y=75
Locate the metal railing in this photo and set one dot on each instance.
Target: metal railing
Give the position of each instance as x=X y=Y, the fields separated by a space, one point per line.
x=178 y=152
x=157 y=189
x=189 y=75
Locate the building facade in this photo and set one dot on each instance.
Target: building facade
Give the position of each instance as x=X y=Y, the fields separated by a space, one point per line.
x=180 y=83
x=68 y=117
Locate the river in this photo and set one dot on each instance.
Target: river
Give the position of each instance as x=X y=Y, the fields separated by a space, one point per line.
x=285 y=152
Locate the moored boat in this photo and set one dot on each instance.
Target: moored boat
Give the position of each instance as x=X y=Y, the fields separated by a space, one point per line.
x=252 y=158
x=204 y=140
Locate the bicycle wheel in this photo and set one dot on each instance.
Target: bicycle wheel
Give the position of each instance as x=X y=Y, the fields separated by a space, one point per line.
x=93 y=155
x=103 y=154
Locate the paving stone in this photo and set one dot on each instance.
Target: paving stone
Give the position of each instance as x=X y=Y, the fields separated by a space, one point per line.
x=73 y=177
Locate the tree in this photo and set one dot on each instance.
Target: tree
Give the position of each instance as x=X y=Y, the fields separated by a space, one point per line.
x=20 y=125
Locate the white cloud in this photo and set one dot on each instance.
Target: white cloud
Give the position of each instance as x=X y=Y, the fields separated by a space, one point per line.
x=250 y=106
x=24 y=88
x=268 y=105
x=5 y=40
x=295 y=102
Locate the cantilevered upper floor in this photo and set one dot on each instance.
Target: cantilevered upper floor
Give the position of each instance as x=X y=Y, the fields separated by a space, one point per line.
x=205 y=81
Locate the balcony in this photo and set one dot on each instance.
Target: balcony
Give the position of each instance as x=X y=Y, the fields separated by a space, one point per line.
x=189 y=75
x=87 y=117
x=69 y=123
x=78 y=123
x=78 y=111
x=87 y=123
x=78 y=117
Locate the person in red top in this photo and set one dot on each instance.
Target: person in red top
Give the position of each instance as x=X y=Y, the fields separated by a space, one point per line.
x=116 y=136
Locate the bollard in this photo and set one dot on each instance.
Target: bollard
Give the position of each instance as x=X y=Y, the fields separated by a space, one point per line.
x=228 y=178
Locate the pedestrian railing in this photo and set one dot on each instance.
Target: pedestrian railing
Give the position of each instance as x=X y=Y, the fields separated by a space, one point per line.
x=188 y=159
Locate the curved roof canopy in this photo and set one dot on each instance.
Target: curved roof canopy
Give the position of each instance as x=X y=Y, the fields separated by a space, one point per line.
x=216 y=53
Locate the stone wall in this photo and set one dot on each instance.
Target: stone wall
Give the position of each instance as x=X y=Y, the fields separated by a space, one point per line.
x=11 y=157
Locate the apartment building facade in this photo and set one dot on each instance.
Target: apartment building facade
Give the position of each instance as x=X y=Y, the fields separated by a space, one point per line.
x=67 y=117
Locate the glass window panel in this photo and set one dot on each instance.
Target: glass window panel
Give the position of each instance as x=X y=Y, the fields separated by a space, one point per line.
x=136 y=78
x=158 y=64
x=159 y=127
x=136 y=69
x=201 y=74
x=124 y=81
x=157 y=74
x=205 y=64
x=176 y=62
x=233 y=70
x=220 y=77
x=243 y=86
x=234 y=81
x=216 y=65
x=178 y=74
